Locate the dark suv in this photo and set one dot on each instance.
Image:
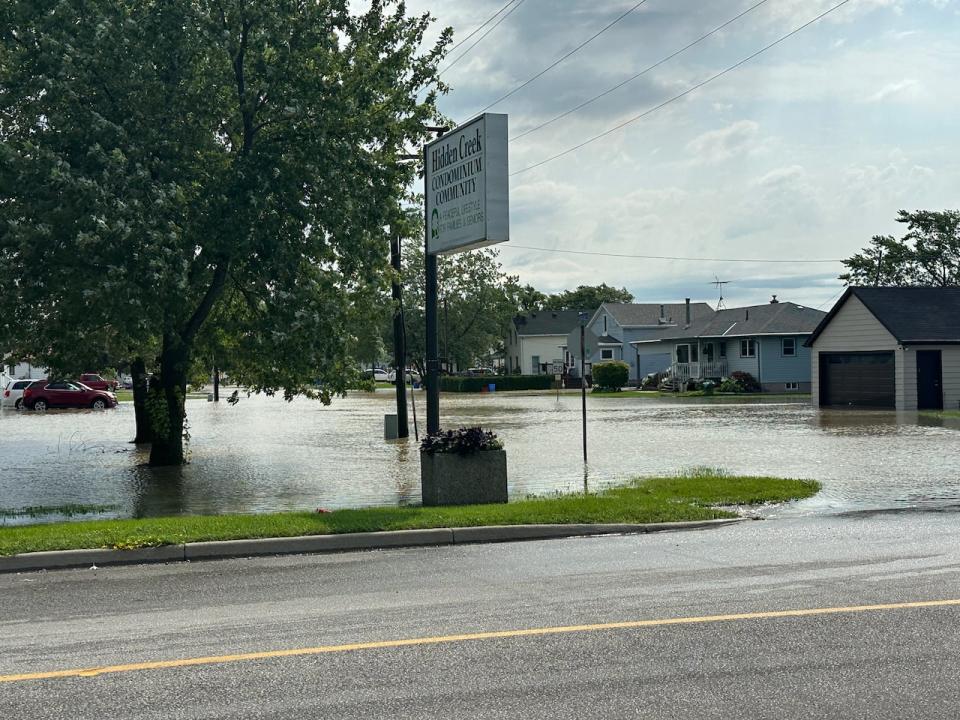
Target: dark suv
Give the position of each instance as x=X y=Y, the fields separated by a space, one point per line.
x=43 y=395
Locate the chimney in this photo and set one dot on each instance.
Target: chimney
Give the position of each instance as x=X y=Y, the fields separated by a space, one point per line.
x=774 y=300
x=663 y=316
x=687 y=301
x=747 y=314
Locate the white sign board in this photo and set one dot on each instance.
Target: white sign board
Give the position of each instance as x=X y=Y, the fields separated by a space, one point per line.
x=557 y=367
x=467 y=186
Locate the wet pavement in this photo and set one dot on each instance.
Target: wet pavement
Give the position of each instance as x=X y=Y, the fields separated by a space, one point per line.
x=265 y=454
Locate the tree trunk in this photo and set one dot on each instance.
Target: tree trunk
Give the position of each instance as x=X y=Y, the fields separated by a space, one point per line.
x=167 y=402
x=138 y=371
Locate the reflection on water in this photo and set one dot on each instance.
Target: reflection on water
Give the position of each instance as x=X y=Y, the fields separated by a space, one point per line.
x=265 y=454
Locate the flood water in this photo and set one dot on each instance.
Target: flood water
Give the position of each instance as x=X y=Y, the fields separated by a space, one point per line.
x=265 y=454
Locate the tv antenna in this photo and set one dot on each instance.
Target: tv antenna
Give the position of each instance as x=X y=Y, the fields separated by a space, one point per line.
x=718 y=283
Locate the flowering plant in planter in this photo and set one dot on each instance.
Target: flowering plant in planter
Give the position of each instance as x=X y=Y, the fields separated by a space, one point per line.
x=464 y=441
x=463 y=467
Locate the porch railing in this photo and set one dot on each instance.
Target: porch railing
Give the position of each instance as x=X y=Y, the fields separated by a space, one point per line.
x=699 y=370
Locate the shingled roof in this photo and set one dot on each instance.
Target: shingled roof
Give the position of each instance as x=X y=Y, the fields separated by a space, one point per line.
x=914 y=315
x=548 y=322
x=648 y=314
x=780 y=318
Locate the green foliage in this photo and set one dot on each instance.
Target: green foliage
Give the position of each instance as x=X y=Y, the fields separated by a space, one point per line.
x=611 y=375
x=164 y=164
x=476 y=301
x=642 y=501
x=927 y=255
x=462 y=441
x=587 y=297
x=456 y=383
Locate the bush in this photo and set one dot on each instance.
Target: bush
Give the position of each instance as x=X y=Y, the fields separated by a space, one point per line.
x=464 y=441
x=746 y=381
x=611 y=375
x=453 y=383
x=730 y=386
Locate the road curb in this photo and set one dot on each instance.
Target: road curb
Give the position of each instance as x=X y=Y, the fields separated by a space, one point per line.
x=223 y=549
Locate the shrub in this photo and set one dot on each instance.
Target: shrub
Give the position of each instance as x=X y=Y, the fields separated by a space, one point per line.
x=746 y=381
x=464 y=441
x=730 y=386
x=611 y=375
x=454 y=383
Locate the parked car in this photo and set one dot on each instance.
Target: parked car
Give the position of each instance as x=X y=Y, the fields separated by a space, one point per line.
x=12 y=395
x=97 y=382
x=126 y=382
x=42 y=395
x=411 y=375
x=377 y=375
x=480 y=371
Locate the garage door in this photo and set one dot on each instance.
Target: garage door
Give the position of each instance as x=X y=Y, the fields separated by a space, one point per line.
x=857 y=379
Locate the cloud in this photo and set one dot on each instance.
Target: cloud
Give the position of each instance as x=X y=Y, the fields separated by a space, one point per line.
x=719 y=145
x=892 y=90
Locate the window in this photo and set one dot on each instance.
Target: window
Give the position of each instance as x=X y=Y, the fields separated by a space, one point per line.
x=788 y=386
x=748 y=348
x=606 y=354
x=536 y=364
x=708 y=352
x=694 y=353
x=683 y=353
x=788 y=347
x=604 y=324
x=723 y=349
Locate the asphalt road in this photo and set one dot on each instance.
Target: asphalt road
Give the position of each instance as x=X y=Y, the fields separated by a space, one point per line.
x=895 y=662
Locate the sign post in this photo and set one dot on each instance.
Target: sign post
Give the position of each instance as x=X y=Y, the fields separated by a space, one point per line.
x=466 y=190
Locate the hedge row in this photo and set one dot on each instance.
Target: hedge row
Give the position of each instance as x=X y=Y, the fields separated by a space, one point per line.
x=453 y=383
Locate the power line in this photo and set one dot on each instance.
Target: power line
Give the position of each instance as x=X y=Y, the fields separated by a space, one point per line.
x=665 y=257
x=564 y=57
x=639 y=74
x=681 y=95
x=493 y=27
x=481 y=26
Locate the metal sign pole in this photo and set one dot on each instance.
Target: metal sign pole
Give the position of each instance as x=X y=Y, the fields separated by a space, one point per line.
x=583 y=392
x=399 y=342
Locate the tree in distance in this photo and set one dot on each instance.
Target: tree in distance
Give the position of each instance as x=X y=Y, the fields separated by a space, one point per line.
x=168 y=163
x=586 y=297
x=927 y=255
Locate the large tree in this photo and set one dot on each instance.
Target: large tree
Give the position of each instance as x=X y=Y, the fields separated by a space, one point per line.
x=475 y=302
x=587 y=297
x=927 y=254
x=163 y=162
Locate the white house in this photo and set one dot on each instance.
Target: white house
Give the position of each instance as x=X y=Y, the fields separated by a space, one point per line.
x=536 y=339
x=889 y=347
x=10 y=370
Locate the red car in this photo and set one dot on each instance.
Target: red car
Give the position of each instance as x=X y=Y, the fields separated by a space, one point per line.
x=96 y=382
x=43 y=395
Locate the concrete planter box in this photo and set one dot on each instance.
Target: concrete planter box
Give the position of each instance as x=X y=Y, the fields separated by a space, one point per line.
x=451 y=479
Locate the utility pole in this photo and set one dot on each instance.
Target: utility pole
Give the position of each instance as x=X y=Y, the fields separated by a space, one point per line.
x=399 y=340
x=430 y=272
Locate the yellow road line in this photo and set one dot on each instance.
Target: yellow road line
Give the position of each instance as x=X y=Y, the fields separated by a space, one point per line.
x=530 y=632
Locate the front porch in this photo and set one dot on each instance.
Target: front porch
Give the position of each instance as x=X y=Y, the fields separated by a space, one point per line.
x=684 y=371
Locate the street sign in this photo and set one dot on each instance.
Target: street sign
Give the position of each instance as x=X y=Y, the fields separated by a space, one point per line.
x=467 y=186
x=557 y=367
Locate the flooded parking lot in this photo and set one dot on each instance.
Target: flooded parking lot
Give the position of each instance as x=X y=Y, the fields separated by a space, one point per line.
x=265 y=454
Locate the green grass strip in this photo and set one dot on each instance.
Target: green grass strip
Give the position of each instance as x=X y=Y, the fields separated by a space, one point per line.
x=690 y=497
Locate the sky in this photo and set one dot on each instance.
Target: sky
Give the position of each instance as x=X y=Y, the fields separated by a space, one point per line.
x=803 y=153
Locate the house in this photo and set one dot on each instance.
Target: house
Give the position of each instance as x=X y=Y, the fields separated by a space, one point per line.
x=536 y=339
x=889 y=347
x=10 y=370
x=617 y=325
x=766 y=341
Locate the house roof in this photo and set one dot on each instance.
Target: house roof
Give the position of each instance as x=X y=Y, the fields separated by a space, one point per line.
x=548 y=322
x=780 y=318
x=608 y=340
x=649 y=314
x=914 y=315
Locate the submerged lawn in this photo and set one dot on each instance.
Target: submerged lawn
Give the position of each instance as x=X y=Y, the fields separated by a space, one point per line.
x=690 y=497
